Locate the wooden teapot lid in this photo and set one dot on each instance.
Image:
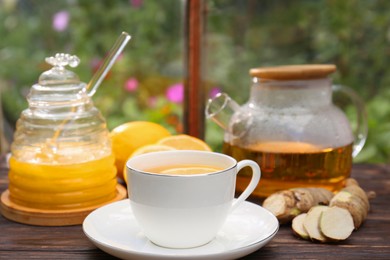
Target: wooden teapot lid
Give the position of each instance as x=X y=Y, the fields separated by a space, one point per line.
x=293 y=72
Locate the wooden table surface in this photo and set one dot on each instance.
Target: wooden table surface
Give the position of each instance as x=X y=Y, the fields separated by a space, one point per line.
x=371 y=241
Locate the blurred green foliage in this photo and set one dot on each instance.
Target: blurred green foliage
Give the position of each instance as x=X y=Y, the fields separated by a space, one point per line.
x=153 y=59
x=353 y=34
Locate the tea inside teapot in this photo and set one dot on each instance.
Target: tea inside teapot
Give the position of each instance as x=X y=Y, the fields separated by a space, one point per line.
x=291 y=128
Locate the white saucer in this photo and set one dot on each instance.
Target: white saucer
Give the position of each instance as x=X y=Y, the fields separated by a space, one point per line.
x=113 y=229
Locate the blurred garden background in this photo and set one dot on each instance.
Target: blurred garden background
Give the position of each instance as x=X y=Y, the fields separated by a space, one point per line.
x=147 y=81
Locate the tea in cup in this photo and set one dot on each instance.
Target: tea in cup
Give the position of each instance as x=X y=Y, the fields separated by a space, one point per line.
x=180 y=198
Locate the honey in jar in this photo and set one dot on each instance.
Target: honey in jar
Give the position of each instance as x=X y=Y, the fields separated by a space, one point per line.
x=61 y=157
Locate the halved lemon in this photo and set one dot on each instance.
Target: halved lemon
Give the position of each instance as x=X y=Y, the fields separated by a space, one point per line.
x=184 y=142
x=130 y=136
x=151 y=148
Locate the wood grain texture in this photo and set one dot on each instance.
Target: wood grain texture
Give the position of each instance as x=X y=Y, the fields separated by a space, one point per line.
x=41 y=217
x=194 y=86
x=371 y=241
x=294 y=72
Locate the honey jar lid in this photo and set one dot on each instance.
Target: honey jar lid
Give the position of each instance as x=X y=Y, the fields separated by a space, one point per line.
x=293 y=72
x=58 y=86
x=58 y=74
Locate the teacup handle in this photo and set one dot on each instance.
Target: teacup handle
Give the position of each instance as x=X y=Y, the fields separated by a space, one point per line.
x=256 y=175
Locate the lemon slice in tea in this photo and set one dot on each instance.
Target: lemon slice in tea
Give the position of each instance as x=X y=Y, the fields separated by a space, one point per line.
x=189 y=170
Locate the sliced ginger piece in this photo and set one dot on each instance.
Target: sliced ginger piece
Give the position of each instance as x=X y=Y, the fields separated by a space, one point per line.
x=336 y=223
x=311 y=223
x=355 y=200
x=346 y=210
x=297 y=226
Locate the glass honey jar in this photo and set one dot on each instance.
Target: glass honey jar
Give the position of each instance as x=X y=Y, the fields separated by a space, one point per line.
x=61 y=157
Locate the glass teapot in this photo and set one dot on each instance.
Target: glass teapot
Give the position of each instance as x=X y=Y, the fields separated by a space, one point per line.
x=291 y=128
x=61 y=155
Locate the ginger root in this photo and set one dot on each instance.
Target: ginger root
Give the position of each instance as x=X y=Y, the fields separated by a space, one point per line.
x=287 y=204
x=298 y=228
x=336 y=224
x=355 y=200
x=346 y=212
x=311 y=223
x=324 y=224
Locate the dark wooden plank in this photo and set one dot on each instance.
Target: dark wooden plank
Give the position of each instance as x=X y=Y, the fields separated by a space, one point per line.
x=84 y=255
x=371 y=241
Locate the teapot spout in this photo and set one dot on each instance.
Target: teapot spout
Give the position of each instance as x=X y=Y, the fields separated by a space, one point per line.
x=220 y=109
x=224 y=111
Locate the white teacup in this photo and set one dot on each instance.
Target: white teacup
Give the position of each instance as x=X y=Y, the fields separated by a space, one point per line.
x=184 y=211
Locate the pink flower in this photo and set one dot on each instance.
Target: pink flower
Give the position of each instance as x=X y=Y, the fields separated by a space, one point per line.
x=175 y=93
x=152 y=101
x=95 y=65
x=214 y=91
x=60 y=21
x=120 y=56
x=136 y=3
x=131 y=85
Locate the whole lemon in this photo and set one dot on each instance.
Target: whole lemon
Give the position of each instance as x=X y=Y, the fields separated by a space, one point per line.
x=128 y=137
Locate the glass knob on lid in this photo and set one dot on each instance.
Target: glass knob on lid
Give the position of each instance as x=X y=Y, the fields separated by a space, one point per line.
x=58 y=74
x=58 y=86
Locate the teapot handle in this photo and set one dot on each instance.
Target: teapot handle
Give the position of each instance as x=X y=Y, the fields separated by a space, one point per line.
x=361 y=129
